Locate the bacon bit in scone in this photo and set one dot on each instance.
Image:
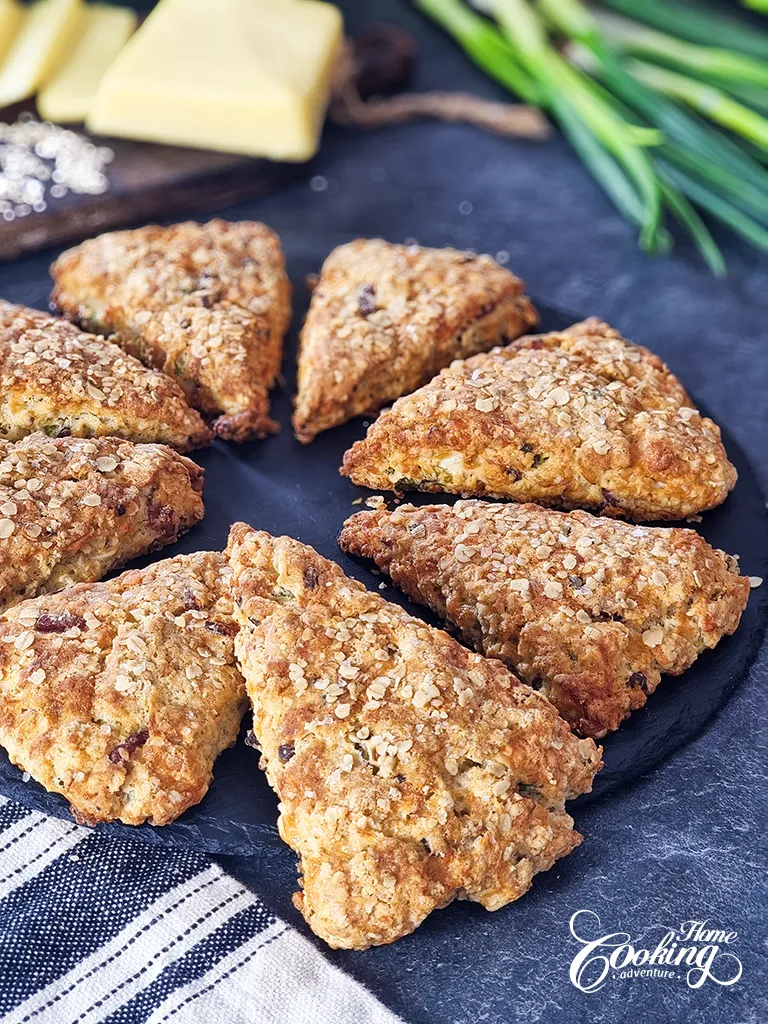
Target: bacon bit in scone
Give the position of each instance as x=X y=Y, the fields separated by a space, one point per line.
x=59 y=623
x=311 y=576
x=366 y=300
x=221 y=628
x=125 y=750
x=639 y=679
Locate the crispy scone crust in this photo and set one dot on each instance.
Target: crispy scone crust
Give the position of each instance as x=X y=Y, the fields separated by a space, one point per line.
x=410 y=771
x=206 y=303
x=121 y=695
x=581 y=418
x=71 y=509
x=57 y=379
x=590 y=611
x=385 y=318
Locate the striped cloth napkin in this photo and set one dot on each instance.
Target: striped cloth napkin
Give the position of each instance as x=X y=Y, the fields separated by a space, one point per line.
x=100 y=930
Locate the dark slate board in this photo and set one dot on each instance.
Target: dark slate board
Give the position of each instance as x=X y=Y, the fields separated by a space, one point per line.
x=284 y=487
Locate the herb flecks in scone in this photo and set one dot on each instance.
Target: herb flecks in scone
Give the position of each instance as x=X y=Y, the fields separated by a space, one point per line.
x=385 y=318
x=121 y=695
x=589 y=611
x=57 y=379
x=581 y=418
x=410 y=771
x=208 y=304
x=71 y=509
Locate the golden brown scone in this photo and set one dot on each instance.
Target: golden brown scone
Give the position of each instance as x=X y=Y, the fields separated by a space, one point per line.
x=57 y=379
x=72 y=509
x=206 y=303
x=571 y=419
x=121 y=695
x=410 y=771
x=590 y=611
x=385 y=318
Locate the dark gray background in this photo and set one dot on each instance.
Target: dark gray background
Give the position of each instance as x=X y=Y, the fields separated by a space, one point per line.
x=688 y=840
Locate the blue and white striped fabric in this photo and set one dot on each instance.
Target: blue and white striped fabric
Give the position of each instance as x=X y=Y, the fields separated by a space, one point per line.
x=98 y=930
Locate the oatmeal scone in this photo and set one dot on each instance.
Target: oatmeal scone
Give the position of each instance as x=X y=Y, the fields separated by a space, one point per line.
x=120 y=695
x=410 y=771
x=57 y=379
x=589 y=611
x=580 y=418
x=71 y=509
x=385 y=318
x=206 y=303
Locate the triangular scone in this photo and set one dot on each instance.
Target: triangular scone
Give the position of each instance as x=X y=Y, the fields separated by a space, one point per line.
x=410 y=771
x=56 y=378
x=385 y=318
x=71 y=510
x=206 y=303
x=581 y=418
x=591 y=611
x=121 y=695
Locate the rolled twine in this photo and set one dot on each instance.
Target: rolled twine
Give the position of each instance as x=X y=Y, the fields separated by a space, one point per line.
x=349 y=108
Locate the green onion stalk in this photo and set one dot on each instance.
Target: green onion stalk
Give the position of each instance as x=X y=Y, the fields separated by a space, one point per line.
x=697 y=22
x=711 y=62
x=580 y=109
x=642 y=130
x=707 y=99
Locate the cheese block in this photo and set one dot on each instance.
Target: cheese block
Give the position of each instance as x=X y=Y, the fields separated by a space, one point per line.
x=11 y=17
x=47 y=35
x=242 y=76
x=69 y=94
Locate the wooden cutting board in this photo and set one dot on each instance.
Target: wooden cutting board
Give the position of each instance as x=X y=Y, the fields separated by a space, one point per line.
x=146 y=182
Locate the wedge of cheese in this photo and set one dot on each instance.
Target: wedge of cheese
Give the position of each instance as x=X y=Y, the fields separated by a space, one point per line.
x=244 y=76
x=47 y=35
x=70 y=93
x=11 y=17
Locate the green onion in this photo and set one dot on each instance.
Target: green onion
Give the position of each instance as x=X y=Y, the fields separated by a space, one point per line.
x=741 y=193
x=485 y=45
x=697 y=22
x=753 y=95
x=708 y=100
x=717 y=206
x=686 y=215
x=525 y=31
x=658 y=141
x=604 y=168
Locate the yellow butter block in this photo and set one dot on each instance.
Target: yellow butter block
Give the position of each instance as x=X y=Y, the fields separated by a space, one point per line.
x=69 y=94
x=11 y=17
x=242 y=76
x=47 y=35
